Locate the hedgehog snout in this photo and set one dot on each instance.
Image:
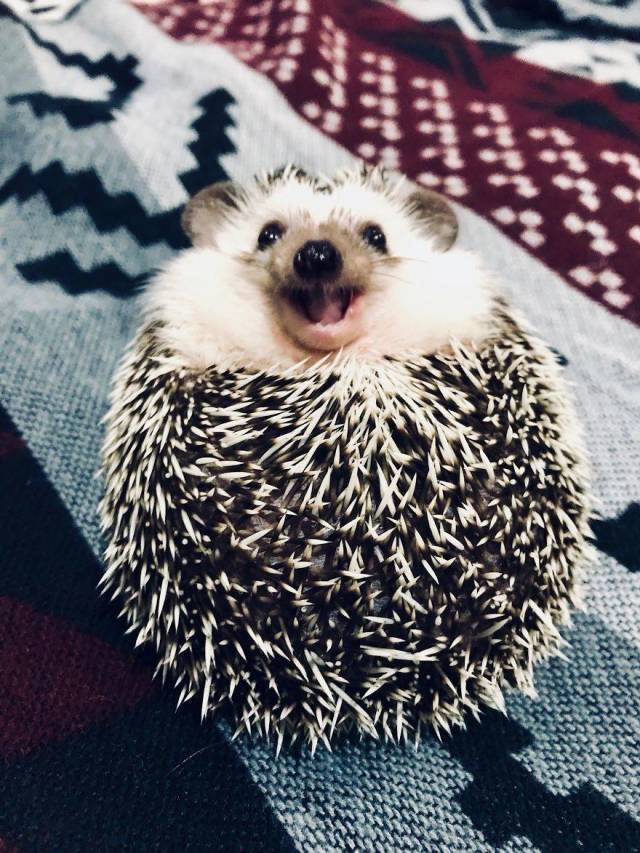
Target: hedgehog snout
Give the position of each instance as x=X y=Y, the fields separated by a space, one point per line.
x=317 y=259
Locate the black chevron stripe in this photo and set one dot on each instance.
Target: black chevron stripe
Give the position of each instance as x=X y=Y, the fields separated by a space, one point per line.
x=62 y=268
x=211 y=136
x=78 y=111
x=68 y=190
x=505 y=799
x=620 y=537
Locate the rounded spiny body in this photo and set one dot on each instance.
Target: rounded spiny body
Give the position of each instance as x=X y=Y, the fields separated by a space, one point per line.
x=376 y=544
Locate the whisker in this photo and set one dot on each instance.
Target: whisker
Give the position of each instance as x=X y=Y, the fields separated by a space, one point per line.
x=391 y=275
x=402 y=258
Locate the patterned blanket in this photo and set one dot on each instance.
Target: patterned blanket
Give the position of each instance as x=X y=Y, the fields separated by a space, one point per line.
x=109 y=120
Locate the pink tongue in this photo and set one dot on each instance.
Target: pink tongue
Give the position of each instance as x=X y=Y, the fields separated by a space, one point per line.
x=324 y=308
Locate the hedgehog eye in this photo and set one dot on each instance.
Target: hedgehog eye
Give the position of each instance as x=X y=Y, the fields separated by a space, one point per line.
x=373 y=235
x=270 y=234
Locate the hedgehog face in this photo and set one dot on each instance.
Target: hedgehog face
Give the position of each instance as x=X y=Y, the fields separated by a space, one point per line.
x=316 y=276
x=294 y=268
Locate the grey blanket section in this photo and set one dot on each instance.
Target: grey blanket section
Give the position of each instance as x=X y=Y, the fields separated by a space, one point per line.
x=59 y=352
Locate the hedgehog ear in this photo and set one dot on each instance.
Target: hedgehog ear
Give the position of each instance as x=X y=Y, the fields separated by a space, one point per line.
x=204 y=212
x=436 y=216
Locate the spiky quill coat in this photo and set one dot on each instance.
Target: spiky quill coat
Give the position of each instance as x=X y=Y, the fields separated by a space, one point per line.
x=374 y=545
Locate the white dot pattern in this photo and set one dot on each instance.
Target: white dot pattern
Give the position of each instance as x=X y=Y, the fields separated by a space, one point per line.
x=559 y=197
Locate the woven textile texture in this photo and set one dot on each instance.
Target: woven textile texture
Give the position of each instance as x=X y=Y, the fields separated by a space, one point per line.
x=109 y=120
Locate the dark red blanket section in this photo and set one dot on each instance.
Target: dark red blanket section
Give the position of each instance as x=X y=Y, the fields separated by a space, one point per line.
x=51 y=686
x=93 y=755
x=552 y=160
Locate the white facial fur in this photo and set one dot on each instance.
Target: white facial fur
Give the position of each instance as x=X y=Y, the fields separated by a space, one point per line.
x=216 y=308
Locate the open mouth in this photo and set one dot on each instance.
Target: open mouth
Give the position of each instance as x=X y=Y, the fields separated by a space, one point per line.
x=324 y=306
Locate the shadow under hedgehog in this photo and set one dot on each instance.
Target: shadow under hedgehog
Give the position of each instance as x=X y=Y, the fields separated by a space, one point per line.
x=344 y=485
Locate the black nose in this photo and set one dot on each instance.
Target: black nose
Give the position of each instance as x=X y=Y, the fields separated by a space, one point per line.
x=316 y=259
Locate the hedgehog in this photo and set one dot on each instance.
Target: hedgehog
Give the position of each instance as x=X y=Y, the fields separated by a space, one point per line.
x=345 y=485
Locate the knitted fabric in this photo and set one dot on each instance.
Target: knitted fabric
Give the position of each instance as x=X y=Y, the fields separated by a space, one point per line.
x=108 y=122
